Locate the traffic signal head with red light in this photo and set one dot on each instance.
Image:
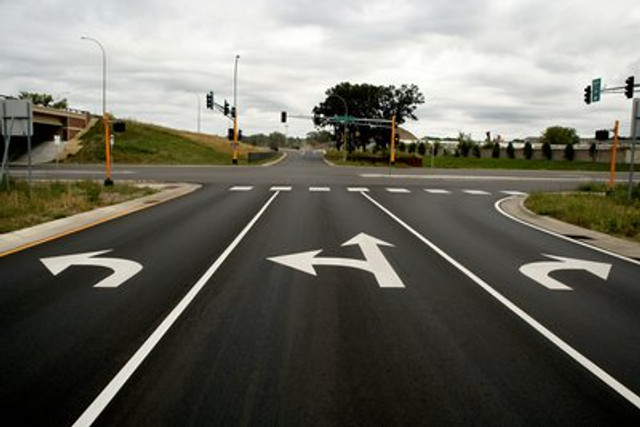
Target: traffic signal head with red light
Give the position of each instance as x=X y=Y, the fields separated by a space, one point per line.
x=587 y=95
x=628 y=87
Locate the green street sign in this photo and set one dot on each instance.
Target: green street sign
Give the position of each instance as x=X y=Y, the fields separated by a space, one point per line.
x=344 y=119
x=596 y=90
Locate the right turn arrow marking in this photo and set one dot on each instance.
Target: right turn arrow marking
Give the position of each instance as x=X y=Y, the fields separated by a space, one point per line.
x=539 y=271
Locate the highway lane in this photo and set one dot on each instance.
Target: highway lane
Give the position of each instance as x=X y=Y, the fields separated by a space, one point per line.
x=264 y=343
x=62 y=339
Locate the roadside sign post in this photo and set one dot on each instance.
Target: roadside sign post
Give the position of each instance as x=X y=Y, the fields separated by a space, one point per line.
x=16 y=119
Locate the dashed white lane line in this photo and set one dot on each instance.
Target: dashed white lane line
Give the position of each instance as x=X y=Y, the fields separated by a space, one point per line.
x=477 y=192
x=357 y=189
x=398 y=190
x=319 y=189
x=241 y=188
x=280 y=188
x=514 y=193
x=437 y=191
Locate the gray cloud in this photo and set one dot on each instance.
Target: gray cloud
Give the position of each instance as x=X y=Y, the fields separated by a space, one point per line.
x=513 y=67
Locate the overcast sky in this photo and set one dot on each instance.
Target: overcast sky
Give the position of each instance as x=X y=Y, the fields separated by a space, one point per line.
x=512 y=67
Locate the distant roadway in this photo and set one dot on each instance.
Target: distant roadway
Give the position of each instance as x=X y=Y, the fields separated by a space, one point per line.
x=304 y=294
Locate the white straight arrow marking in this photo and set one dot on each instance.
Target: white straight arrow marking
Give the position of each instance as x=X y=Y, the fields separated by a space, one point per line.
x=374 y=262
x=123 y=269
x=539 y=271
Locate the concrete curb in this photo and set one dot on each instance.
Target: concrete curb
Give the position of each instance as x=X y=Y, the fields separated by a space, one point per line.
x=276 y=161
x=22 y=239
x=514 y=206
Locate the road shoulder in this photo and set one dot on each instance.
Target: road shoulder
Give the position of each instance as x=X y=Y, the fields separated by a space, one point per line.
x=514 y=206
x=32 y=236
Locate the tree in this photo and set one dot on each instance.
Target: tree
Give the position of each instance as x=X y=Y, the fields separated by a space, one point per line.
x=569 y=153
x=422 y=148
x=528 y=150
x=558 y=135
x=546 y=151
x=402 y=147
x=366 y=101
x=511 y=152
x=495 y=151
x=44 y=100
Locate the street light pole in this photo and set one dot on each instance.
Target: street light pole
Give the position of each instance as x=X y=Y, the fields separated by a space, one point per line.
x=235 y=109
x=108 y=181
x=199 y=108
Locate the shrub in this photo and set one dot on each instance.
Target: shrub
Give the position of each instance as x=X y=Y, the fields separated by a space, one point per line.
x=422 y=148
x=412 y=148
x=402 y=147
x=569 y=152
x=511 y=152
x=528 y=150
x=495 y=152
x=593 y=151
x=546 y=151
x=476 y=151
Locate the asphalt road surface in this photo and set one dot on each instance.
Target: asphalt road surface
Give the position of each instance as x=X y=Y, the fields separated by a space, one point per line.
x=302 y=294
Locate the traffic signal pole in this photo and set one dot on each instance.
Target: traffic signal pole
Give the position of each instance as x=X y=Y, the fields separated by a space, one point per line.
x=392 y=159
x=614 y=151
x=234 y=159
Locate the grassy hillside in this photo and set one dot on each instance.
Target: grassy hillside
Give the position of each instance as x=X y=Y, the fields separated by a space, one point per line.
x=150 y=144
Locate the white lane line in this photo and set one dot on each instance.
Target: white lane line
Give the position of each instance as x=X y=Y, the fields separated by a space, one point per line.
x=319 y=189
x=560 y=236
x=97 y=406
x=436 y=191
x=514 y=193
x=398 y=190
x=282 y=188
x=600 y=373
x=241 y=188
x=476 y=192
x=357 y=189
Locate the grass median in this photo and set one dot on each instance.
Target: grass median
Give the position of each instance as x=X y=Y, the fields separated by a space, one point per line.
x=23 y=205
x=595 y=208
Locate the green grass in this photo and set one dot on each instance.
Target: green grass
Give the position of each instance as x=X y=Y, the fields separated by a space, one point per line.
x=593 y=208
x=149 y=144
x=452 y=162
x=521 y=164
x=23 y=206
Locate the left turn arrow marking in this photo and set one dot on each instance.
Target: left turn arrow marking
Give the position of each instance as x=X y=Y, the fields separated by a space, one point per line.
x=123 y=269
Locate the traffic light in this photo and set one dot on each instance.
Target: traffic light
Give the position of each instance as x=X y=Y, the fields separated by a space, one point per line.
x=226 y=108
x=230 y=134
x=628 y=88
x=239 y=134
x=210 y=101
x=587 y=95
x=283 y=117
x=233 y=112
